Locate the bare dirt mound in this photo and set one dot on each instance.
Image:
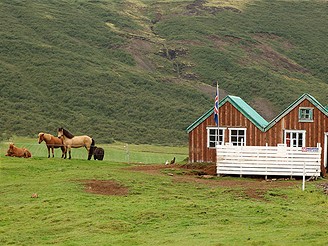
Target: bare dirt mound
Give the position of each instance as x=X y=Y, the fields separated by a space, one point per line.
x=105 y=187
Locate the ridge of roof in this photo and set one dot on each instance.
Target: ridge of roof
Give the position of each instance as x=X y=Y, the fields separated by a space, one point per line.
x=253 y=116
x=314 y=101
x=241 y=105
x=249 y=112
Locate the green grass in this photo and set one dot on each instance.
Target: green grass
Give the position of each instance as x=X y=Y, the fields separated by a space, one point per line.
x=115 y=152
x=156 y=210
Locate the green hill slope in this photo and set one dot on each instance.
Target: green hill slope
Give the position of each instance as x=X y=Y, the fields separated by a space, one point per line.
x=142 y=71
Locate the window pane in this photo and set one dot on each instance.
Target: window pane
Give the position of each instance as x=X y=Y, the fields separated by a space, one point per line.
x=295 y=139
x=213 y=137
x=305 y=113
x=237 y=137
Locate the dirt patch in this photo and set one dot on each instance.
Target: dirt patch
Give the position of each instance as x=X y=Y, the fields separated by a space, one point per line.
x=254 y=188
x=199 y=6
x=263 y=52
x=267 y=37
x=105 y=187
x=140 y=50
x=275 y=59
x=323 y=187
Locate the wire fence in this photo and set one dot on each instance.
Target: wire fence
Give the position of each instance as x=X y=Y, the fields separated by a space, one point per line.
x=121 y=152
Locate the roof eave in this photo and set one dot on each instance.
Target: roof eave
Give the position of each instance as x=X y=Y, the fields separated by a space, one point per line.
x=294 y=105
x=223 y=101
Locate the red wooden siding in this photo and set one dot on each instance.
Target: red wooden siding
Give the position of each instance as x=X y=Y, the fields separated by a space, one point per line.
x=230 y=117
x=315 y=131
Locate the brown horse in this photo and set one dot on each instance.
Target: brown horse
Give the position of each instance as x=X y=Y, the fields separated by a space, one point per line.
x=18 y=152
x=52 y=142
x=71 y=141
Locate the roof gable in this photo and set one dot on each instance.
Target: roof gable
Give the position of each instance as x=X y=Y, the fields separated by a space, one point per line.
x=253 y=116
x=305 y=96
x=241 y=106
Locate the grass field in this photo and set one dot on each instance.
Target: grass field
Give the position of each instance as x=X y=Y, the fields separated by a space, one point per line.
x=157 y=209
x=116 y=152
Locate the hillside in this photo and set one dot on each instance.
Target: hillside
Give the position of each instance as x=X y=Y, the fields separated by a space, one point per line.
x=142 y=71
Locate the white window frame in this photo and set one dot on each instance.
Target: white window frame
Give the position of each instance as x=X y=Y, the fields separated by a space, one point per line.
x=222 y=136
x=296 y=139
x=308 y=116
x=238 y=143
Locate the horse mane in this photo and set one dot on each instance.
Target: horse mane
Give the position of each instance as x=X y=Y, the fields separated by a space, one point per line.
x=67 y=133
x=47 y=136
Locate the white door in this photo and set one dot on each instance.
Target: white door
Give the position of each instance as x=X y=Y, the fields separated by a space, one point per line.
x=325 y=150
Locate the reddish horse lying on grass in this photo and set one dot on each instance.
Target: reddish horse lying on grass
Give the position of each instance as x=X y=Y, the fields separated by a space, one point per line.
x=18 y=152
x=51 y=142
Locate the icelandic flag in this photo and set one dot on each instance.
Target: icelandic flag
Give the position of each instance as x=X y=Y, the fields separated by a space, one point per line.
x=216 y=106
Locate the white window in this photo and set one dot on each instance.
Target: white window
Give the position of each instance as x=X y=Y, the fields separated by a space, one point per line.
x=294 y=138
x=237 y=136
x=305 y=114
x=212 y=136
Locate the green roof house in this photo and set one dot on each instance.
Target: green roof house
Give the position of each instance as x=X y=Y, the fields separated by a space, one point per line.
x=304 y=123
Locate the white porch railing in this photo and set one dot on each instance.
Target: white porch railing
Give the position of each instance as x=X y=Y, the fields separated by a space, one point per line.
x=268 y=160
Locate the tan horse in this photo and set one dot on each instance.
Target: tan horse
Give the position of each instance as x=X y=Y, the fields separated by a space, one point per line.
x=71 y=141
x=18 y=152
x=52 y=142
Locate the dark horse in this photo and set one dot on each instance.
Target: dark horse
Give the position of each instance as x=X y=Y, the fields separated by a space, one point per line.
x=98 y=153
x=71 y=141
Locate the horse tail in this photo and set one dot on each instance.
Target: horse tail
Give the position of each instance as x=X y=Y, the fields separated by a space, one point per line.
x=92 y=148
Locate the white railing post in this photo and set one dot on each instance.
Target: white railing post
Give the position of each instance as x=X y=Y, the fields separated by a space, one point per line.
x=303 y=185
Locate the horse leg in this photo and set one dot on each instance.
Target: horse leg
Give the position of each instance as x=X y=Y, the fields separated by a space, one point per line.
x=69 y=152
x=48 y=151
x=53 y=152
x=63 y=151
x=65 y=155
x=89 y=152
x=91 y=149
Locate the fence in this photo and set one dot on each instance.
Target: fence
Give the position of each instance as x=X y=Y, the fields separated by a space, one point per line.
x=268 y=160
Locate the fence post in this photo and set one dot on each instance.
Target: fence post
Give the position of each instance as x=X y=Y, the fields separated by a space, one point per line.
x=303 y=185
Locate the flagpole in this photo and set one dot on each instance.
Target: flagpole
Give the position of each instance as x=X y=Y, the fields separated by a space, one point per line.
x=217 y=91
x=216 y=112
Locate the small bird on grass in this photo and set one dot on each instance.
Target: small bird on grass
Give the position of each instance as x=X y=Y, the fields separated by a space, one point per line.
x=173 y=161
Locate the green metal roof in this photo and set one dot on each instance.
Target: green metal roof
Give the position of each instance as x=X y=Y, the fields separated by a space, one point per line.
x=314 y=101
x=253 y=116
x=249 y=112
x=241 y=106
